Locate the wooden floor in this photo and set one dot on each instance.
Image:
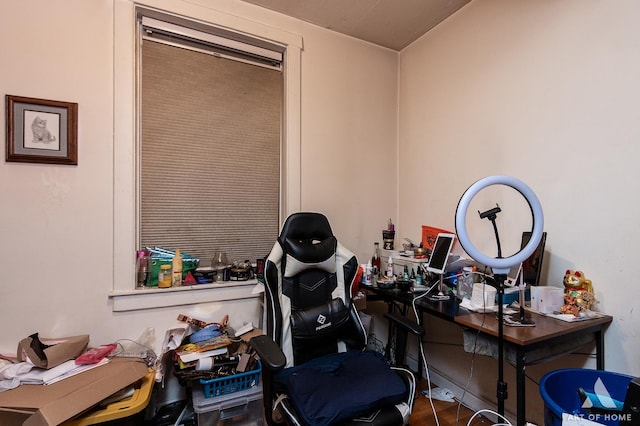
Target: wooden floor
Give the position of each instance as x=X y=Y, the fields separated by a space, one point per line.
x=448 y=412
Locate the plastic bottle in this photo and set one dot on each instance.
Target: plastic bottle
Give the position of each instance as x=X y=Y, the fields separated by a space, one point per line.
x=219 y=263
x=176 y=280
x=375 y=260
x=419 y=277
x=368 y=273
x=390 y=267
x=142 y=268
x=164 y=276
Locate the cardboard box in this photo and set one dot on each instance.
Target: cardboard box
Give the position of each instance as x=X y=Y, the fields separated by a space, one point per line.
x=49 y=405
x=48 y=353
x=546 y=299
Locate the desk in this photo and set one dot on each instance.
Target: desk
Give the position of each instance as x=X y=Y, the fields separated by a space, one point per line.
x=554 y=336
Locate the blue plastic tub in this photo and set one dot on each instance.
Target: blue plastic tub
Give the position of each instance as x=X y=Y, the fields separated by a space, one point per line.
x=230 y=384
x=559 y=391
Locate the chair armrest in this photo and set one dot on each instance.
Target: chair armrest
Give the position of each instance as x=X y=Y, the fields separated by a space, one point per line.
x=269 y=352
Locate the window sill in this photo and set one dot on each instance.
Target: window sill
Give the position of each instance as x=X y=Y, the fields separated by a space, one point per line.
x=150 y=298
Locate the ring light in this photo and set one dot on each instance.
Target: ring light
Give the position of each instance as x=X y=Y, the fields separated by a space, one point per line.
x=499 y=265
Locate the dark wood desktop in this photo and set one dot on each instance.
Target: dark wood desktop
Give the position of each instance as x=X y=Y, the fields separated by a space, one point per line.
x=548 y=339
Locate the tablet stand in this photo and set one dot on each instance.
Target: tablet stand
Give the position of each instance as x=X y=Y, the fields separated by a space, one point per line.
x=443 y=291
x=520 y=320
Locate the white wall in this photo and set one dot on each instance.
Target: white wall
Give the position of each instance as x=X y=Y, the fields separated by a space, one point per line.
x=546 y=91
x=57 y=222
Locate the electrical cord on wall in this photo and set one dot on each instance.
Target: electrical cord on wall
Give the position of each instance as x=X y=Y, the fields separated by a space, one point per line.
x=473 y=354
x=422 y=351
x=426 y=366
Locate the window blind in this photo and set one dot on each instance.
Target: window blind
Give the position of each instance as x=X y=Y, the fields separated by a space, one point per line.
x=210 y=132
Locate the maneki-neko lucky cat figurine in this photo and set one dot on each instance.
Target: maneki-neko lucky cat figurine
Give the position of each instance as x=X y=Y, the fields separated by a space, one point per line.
x=578 y=293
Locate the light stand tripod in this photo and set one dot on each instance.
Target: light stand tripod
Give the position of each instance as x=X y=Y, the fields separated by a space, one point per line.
x=501 y=386
x=499 y=265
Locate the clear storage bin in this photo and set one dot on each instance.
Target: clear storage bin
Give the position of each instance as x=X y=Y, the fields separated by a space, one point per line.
x=238 y=408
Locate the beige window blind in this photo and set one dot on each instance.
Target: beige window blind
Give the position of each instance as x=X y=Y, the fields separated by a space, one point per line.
x=210 y=130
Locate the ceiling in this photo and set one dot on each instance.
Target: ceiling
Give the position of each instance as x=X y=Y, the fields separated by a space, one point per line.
x=390 y=23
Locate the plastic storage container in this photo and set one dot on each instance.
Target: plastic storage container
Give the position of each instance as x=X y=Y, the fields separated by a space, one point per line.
x=239 y=408
x=126 y=412
x=230 y=384
x=559 y=391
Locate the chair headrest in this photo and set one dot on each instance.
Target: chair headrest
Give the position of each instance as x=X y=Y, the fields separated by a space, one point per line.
x=306 y=226
x=308 y=242
x=310 y=255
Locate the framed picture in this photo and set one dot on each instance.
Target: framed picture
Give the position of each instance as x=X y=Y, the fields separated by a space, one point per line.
x=41 y=131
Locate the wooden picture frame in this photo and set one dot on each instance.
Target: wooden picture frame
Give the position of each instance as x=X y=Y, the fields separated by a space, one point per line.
x=41 y=131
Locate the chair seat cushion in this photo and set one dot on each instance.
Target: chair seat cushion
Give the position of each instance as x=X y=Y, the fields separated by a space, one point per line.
x=339 y=387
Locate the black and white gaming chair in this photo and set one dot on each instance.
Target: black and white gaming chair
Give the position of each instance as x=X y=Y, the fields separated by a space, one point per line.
x=316 y=369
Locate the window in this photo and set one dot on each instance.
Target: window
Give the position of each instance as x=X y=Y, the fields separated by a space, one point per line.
x=125 y=236
x=209 y=139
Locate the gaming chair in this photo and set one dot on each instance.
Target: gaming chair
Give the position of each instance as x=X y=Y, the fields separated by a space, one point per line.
x=316 y=369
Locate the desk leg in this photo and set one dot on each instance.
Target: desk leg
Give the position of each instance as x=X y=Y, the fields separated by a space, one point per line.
x=389 y=351
x=599 y=350
x=420 y=346
x=520 y=386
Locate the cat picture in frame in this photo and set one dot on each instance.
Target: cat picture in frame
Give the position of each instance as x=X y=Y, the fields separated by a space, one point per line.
x=41 y=131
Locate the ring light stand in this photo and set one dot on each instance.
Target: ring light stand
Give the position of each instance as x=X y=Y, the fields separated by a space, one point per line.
x=499 y=265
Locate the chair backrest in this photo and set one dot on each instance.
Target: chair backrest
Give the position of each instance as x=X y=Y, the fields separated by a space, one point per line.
x=309 y=277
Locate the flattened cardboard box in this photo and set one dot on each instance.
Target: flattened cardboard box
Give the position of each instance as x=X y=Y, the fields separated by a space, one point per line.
x=49 y=405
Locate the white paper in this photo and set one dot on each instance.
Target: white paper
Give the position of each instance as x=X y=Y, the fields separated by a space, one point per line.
x=39 y=376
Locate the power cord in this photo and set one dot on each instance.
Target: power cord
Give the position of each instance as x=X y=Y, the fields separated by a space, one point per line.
x=473 y=355
x=506 y=421
x=128 y=348
x=426 y=366
x=422 y=352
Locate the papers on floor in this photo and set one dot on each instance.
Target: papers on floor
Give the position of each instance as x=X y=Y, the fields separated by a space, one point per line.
x=39 y=376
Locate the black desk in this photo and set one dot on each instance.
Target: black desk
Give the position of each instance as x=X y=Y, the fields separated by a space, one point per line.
x=547 y=340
